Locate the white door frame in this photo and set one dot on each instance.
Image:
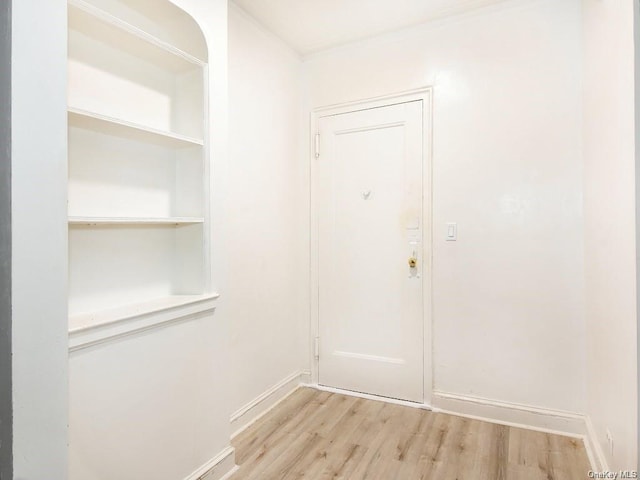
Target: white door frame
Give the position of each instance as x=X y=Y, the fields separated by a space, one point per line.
x=426 y=95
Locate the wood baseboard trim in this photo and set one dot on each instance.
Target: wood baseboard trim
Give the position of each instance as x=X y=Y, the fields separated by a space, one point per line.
x=220 y=467
x=265 y=402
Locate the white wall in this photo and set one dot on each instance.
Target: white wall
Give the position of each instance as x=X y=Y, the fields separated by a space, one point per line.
x=264 y=230
x=610 y=248
x=212 y=16
x=637 y=119
x=508 y=295
x=149 y=405
x=39 y=238
x=158 y=401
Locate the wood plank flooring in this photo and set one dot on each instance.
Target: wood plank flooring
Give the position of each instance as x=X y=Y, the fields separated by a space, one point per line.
x=320 y=435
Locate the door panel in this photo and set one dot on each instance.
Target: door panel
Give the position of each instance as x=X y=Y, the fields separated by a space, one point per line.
x=369 y=225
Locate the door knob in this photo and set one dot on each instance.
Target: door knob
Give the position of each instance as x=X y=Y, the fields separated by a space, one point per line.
x=413 y=261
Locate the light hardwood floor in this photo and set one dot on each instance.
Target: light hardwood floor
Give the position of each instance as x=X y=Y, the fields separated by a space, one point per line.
x=320 y=435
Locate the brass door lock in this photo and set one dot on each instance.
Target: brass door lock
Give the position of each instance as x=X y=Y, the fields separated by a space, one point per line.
x=413 y=261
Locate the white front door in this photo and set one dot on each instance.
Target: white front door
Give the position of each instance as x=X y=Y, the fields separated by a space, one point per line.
x=370 y=222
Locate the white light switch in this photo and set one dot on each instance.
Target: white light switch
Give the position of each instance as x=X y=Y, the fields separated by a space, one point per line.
x=452 y=232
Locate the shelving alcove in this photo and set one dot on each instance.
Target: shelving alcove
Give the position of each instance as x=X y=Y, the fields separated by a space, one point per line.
x=138 y=142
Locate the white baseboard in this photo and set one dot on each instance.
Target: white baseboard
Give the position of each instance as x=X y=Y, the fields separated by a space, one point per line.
x=263 y=403
x=511 y=414
x=221 y=467
x=525 y=416
x=305 y=377
x=594 y=449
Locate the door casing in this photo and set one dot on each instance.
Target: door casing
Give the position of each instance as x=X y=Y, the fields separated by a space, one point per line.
x=426 y=95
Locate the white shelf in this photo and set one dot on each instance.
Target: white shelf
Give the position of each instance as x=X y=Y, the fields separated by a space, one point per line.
x=86 y=329
x=124 y=129
x=83 y=321
x=94 y=22
x=77 y=220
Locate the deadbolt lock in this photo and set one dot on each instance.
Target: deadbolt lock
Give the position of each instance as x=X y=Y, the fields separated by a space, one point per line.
x=413 y=261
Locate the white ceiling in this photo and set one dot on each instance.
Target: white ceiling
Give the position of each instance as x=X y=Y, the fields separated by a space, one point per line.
x=312 y=25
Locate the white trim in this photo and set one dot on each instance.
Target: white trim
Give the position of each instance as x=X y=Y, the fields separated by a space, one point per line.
x=426 y=95
x=88 y=336
x=207 y=167
x=220 y=467
x=305 y=378
x=512 y=414
x=594 y=448
x=248 y=414
x=369 y=129
x=368 y=396
x=372 y=102
x=228 y=475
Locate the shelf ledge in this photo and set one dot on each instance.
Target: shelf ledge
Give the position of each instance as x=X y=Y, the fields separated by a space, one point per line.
x=118 y=127
x=77 y=220
x=89 y=329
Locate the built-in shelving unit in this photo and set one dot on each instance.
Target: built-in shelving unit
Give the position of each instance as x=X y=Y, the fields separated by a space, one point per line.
x=138 y=216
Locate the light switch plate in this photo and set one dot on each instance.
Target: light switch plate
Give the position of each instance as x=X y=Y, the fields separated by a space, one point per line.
x=452 y=232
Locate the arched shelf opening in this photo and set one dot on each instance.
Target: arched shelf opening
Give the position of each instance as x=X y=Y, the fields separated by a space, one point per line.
x=138 y=140
x=162 y=19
